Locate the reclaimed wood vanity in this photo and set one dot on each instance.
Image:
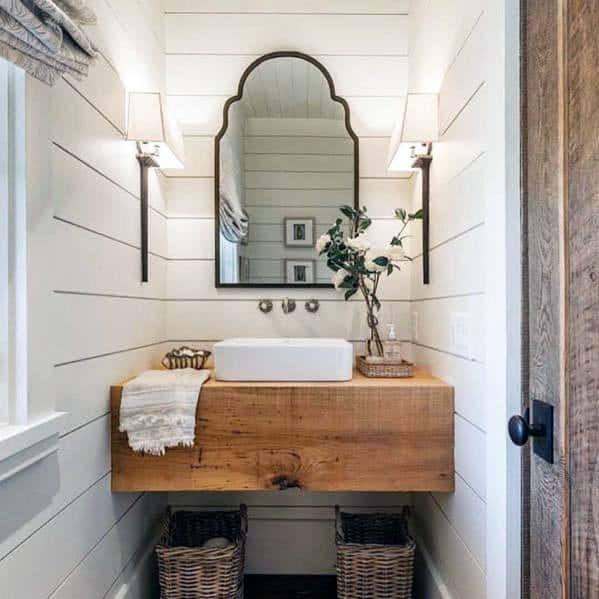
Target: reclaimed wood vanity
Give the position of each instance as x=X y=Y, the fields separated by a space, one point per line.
x=361 y=435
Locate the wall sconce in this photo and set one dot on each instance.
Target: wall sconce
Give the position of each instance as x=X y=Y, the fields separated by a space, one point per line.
x=159 y=145
x=411 y=148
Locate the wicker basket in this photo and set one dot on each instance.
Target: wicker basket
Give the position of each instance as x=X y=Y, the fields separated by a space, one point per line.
x=189 y=571
x=375 y=556
x=384 y=369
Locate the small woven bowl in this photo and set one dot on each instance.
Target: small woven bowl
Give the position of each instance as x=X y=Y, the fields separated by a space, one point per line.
x=185 y=357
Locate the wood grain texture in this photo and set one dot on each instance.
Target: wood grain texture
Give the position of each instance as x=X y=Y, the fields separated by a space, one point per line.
x=363 y=435
x=544 y=187
x=583 y=317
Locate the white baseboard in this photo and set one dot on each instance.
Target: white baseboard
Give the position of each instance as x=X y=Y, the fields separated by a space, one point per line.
x=139 y=579
x=429 y=583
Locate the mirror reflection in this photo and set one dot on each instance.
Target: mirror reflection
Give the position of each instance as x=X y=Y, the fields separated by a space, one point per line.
x=286 y=164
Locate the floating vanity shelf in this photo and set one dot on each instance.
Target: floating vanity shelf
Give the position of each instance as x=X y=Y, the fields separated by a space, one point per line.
x=361 y=435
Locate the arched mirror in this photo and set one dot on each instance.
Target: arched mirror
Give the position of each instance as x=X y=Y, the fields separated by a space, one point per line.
x=286 y=159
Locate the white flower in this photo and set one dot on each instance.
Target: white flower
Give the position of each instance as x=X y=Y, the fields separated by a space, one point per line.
x=322 y=242
x=358 y=244
x=395 y=253
x=371 y=255
x=339 y=277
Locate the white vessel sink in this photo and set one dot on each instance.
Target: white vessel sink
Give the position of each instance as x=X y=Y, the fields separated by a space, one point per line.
x=283 y=359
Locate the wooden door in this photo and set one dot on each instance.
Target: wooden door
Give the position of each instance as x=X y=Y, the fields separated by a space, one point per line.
x=560 y=174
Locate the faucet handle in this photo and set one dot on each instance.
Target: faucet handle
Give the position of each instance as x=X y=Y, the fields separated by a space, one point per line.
x=265 y=306
x=288 y=305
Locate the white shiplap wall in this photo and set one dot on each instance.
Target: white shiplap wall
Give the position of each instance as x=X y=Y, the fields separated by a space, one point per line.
x=453 y=527
x=208 y=46
x=63 y=534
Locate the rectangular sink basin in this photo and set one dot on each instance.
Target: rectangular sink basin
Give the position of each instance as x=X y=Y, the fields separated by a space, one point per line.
x=284 y=359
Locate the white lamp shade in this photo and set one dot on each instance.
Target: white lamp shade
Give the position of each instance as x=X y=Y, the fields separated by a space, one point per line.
x=418 y=127
x=150 y=124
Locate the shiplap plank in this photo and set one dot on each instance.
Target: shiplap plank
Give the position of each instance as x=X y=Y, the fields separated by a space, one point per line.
x=94 y=325
x=287 y=163
x=91 y=263
x=467 y=378
x=464 y=276
x=83 y=388
x=104 y=90
x=132 y=39
x=438 y=30
x=373 y=159
x=434 y=323
x=456 y=564
x=199 y=158
x=219 y=74
x=195 y=197
x=74 y=531
x=39 y=492
x=90 y=137
x=287 y=6
x=470 y=451
x=299 y=145
x=95 y=575
x=297 y=180
x=322 y=127
x=467 y=513
x=464 y=76
x=195 y=280
x=203 y=115
x=191 y=239
x=313 y=34
x=217 y=320
x=463 y=141
x=457 y=205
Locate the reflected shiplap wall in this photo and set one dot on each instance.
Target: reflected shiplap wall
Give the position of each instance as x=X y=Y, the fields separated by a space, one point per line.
x=62 y=533
x=208 y=46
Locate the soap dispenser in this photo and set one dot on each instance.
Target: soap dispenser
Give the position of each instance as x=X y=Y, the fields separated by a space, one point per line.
x=392 y=346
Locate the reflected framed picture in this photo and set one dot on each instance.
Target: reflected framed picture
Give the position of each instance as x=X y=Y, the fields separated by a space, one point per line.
x=299 y=232
x=300 y=272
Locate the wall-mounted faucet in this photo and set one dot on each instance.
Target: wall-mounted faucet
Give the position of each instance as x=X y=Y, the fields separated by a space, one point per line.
x=288 y=305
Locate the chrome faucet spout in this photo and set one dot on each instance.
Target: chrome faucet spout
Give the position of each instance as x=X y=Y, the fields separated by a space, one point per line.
x=288 y=305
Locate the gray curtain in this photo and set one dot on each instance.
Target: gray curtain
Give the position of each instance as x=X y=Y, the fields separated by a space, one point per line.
x=45 y=37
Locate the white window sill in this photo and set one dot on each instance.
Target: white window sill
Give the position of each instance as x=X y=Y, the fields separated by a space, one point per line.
x=21 y=446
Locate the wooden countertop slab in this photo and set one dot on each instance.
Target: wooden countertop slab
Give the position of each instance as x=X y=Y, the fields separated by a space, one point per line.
x=362 y=435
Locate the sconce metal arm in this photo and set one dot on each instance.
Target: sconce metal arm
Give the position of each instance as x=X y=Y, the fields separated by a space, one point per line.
x=424 y=164
x=146 y=162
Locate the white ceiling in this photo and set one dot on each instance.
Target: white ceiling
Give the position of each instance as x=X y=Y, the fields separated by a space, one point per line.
x=289 y=88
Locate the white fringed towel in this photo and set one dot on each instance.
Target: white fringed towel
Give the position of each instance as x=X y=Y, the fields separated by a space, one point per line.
x=158 y=409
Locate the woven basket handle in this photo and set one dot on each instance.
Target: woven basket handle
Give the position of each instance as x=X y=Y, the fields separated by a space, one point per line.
x=243 y=512
x=338 y=525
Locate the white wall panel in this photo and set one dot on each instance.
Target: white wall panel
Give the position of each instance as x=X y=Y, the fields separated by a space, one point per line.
x=99 y=90
x=74 y=531
x=85 y=133
x=92 y=325
x=456 y=563
x=205 y=75
x=219 y=320
x=104 y=564
x=60 y=520
x=288 y=6
x=313 y=34
x=38 y=493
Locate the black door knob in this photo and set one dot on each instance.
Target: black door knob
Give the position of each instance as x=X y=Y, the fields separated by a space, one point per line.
x=520 y=430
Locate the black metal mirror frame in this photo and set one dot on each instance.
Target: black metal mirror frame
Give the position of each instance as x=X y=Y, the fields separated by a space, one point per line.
x=223 y=130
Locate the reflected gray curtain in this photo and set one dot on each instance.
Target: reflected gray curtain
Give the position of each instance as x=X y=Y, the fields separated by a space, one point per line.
x=234 y=220
x=45 y=38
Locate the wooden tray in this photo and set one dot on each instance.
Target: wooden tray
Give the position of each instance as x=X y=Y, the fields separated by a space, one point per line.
x=384 y=369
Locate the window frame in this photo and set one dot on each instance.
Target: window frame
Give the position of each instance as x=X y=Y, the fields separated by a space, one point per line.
x=23 y=440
